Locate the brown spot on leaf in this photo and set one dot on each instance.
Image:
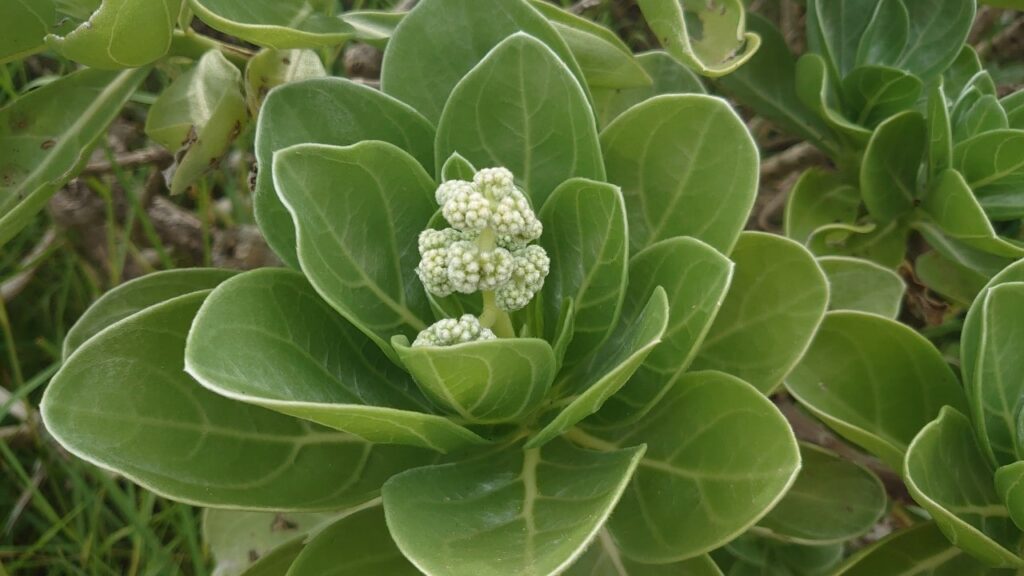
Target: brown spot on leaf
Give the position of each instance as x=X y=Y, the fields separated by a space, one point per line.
x=48 y=143
x=253 y=555
x=282 y=523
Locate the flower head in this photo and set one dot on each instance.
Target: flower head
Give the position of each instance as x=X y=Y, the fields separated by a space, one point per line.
x=450 y=331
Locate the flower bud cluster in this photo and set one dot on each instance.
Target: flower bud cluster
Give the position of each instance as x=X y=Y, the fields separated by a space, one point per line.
x=450 y=331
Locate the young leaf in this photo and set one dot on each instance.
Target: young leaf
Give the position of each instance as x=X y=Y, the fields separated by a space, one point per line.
x=357 y=212
x=267 y=338
x=832 y=500
x=46 y=136
x=918 y=550
x=874 y=381
x=603 y=558
x=356 y=545
x=819 y=199
x=992 y=162
x=888 y=173
x=26 y=23
x=775 y=302
x=456 y=167
x=295 y=114
x=700 y=485
x=585 y=238
x=816 y=90
x=940 y=132
x=458 y=33
x=123 y=402
x=136 y=295
x=856 y=284
x=522 y=108
x=235 y=537
x=668 y=76
x=965 y=505
x=121 y=34
x=875 y=93
x=513 y=512
x=687 y=167
x=954 y=209
x=270 y=68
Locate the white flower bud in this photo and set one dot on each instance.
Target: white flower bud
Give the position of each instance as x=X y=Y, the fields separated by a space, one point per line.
x=530 y=267
x=450 y=331
x=471 y=269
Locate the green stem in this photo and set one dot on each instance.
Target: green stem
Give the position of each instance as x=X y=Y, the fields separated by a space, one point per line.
x=495 y=318
x=193 y=45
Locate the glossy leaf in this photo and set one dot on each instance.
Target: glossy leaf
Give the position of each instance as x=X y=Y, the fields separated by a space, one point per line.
x=459 y=33
x=954 y=209
x=875 y=93
x=992 y=162
x=668 y=76
x=511 y=512
x=522 y=108
x=270 y=68
x=687 y=167
x=356 y=545
x=238 y=538
x=888 y=174
x=326 y=111
x=136 y=295
x=46 y=136
x=267 y=338
x=122 y=401
x=723 y=44
x=585 y=238
x=487 y=381
x=921 y=550
x=856 y=284
x=603 y=558
x=699 y=485
x=357 y=211
x=965 y=505
x=874 y=381
x=775 y=302
x=832 y=500
x=26 y=23
x=819 y=199
x=121 y=34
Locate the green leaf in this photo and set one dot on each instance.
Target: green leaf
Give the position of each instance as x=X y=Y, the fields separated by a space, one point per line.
x=47 y=135
x=835 y=29
x=723 y=44
x=121 y=34
x=456 y=167
x=521 y=108
x=487 y=381
x=585 y=237
x=888 y=174
x=885 y=36
x=984 y=115
x=817 y=91
x=856 y=284
x=965 y=66
x=326 y=111
x=604 y=558
x=668 y=76
x=937 y=31
x=832 y=500
x=940 y=132
x=358 y=211
x=136 y=295
x=768 y=85
x=954 y=209
x=277 y=561
x=965 y=505
x=236 y=537
x=775 y=303
x=512 y=512
x=266 y=338
x=758 y=556
x=26 y=22
x=699 y=485
x=952 y=280
x=608 y=369
x=458 y=33
x=992 y=162
x=695 y=278
x=819 y=198
x=687 y=167
x=920 y=550
x=198 y=117
x=875 y=93
x=1014 y=106
x=981 y=262
x=270 y=68
x=123 y=402
x=356 y=545
x=874 y=381
x=1008 y=485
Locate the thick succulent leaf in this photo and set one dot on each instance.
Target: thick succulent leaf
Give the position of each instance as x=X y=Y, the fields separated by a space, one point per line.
x=687 y=167
x=136 y=295
x=723 y=44
x=762 y=556
x=522 y=108
x=356 y=545
x=511 y=512
x=123 y=402
x=992 y=162
x=326 y=111
x=46 y=136
x=965 y=505
x=456 y=167
x=699 y=486
x=603 y=558
x=270 y=68
x=921 y=550
x=937 y=31
x=668 y=76
x=695 y=278
x=608 y=370
x=487 y=381
x=885 y=36
x=875 y=93
x=238 y=538
x=952 y=280
x=888 y=174
x=984 y=115
x=277 y=561
x=775 y=302
x=940 y=131
x=965 y=66
x=954 y=209
x=585 y=238
x=358 y=211
x=835 y=29
x=1010 y=487
x=198 y=116
x=832 y=500
x=819 y=199
x=459 y=33
x=26 y=23
x=121 y=34
x=958 y=251
x=1014 y=106
x=768 y=85
x=267 y=338
x=856 y=284
x=874 y=381
x=817 y=91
